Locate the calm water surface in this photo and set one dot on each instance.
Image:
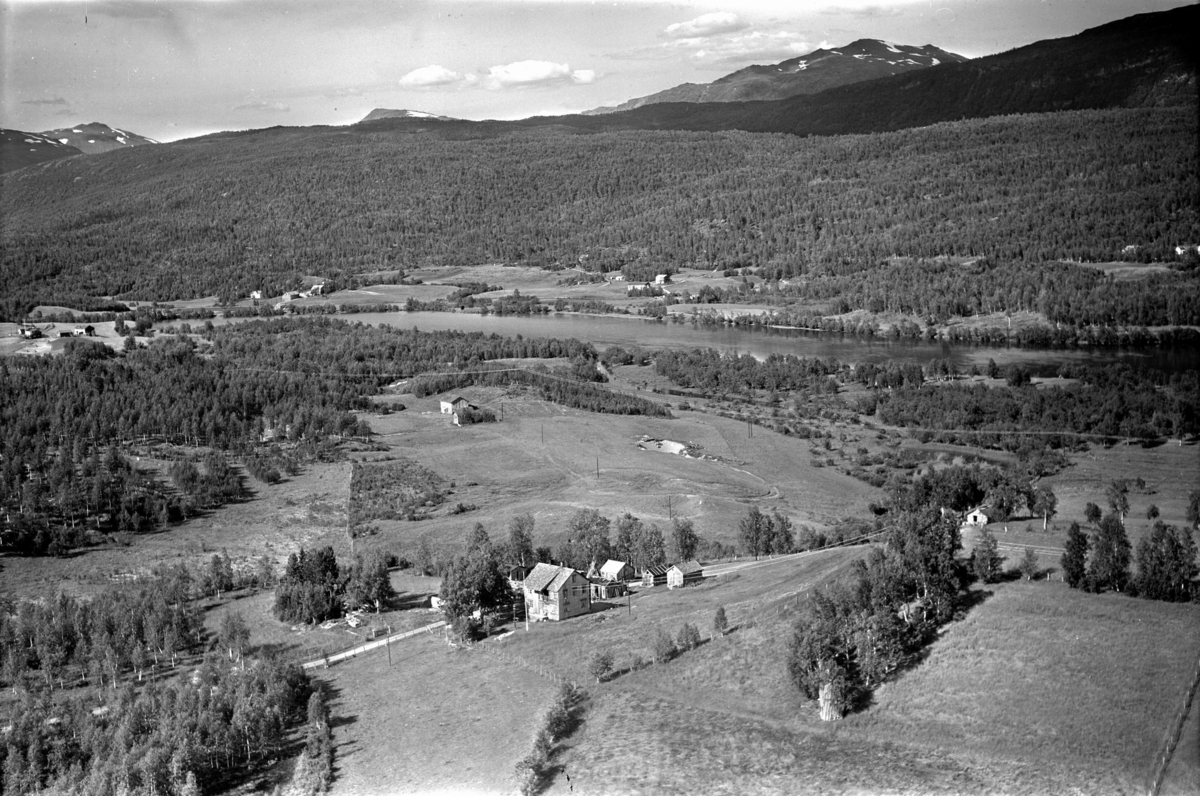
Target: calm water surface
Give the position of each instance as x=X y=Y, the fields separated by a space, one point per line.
x=604 y=331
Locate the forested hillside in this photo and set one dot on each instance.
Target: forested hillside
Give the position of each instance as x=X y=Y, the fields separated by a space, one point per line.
x=66 y=420
x=240 y=212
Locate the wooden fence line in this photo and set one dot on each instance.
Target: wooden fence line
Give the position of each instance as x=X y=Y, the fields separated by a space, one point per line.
x=329 y=660
x=1174 y=731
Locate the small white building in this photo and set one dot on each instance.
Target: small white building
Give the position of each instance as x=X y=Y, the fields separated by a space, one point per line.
x=977 y=518
x=256 y=294
x=453 y=406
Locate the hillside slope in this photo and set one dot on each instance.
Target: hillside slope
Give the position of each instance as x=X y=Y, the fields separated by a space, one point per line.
x=19 y=149
x=1148 y=60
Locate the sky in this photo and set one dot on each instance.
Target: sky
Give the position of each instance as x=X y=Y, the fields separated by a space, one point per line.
x=172 y=69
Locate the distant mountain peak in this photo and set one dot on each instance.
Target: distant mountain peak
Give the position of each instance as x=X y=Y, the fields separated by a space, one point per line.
x=404 y=113
x=94 y=137
x=863 y=59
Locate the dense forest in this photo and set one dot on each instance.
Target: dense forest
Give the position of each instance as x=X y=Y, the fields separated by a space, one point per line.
x=1023 y=191
x=245 y=389
x=102 y=706
x=1101 y=403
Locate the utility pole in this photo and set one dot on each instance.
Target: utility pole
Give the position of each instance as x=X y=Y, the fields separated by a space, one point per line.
x=597 y=468
x=388 y=643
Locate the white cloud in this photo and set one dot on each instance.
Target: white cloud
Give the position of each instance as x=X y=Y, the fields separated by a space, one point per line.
x=753 y=46
x=263 y=105
x=432 y=75
x=712 y=24
x=534 y=73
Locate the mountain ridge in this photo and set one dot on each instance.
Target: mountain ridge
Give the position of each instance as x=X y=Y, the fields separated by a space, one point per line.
x=821 y=69
x=95 y=137
x=403 y=113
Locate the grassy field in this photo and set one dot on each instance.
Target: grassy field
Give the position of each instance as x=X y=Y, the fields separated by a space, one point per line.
x=543 y=459
x=1037 y=690
x=307 y=509
x=439 y=720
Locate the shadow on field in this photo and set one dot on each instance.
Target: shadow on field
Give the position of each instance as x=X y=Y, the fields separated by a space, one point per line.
x=409 y=600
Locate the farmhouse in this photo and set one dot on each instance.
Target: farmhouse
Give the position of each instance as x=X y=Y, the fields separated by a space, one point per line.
x=686 y=573
x=614 y=570
x=454 y=405
x=655 y=575
x=556 y=593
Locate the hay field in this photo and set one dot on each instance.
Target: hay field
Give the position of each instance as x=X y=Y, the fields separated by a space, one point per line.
x=543 y=458
x=1038 y=690
x=439 y=720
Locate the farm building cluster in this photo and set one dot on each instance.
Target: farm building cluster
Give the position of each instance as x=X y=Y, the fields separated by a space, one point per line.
x=554 y=592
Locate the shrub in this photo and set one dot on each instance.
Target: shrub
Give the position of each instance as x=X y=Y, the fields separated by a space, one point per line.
x=664 y=647
x=689 y=637
x=601 y=665
x=720 y=623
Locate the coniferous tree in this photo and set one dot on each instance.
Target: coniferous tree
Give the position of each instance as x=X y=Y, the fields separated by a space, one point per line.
x=1074 y=557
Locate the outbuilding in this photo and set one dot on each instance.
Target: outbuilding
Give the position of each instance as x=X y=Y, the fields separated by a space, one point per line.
x=614 y=570
x=978 y=518
x=686 y=573
x=454 y=405
x=655 y=575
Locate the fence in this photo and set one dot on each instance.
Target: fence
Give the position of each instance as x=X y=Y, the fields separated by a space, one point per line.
x=329 y=660
x=516 y=660
x=1173 y=733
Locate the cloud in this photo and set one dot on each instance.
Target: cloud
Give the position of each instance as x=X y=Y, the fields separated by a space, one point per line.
x=429 y=76
x=263 y=105
x=536 y=73
x=867 y=11
x=55 y=101
x=705 y=25
x=754 y=46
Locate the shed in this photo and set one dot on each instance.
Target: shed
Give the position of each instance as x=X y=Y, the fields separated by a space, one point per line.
x=655 y=575
x=686 y=573
x=614 y=570
x=607 y=590
x=978 y=518
x=454 y=405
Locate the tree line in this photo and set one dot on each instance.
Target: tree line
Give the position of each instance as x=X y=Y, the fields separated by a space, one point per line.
x=1079 y=186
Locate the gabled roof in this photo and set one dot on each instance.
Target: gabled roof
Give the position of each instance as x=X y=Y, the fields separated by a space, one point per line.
x=548 y=577
x=656 y=570
x=689 y=567
x=612 y=567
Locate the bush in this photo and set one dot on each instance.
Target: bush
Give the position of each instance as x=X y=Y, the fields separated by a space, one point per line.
x=689 y=637
x=720 y=623
x=601 y=665
x=664 y=647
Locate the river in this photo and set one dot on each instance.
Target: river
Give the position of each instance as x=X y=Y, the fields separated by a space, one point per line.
x=604 y=331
